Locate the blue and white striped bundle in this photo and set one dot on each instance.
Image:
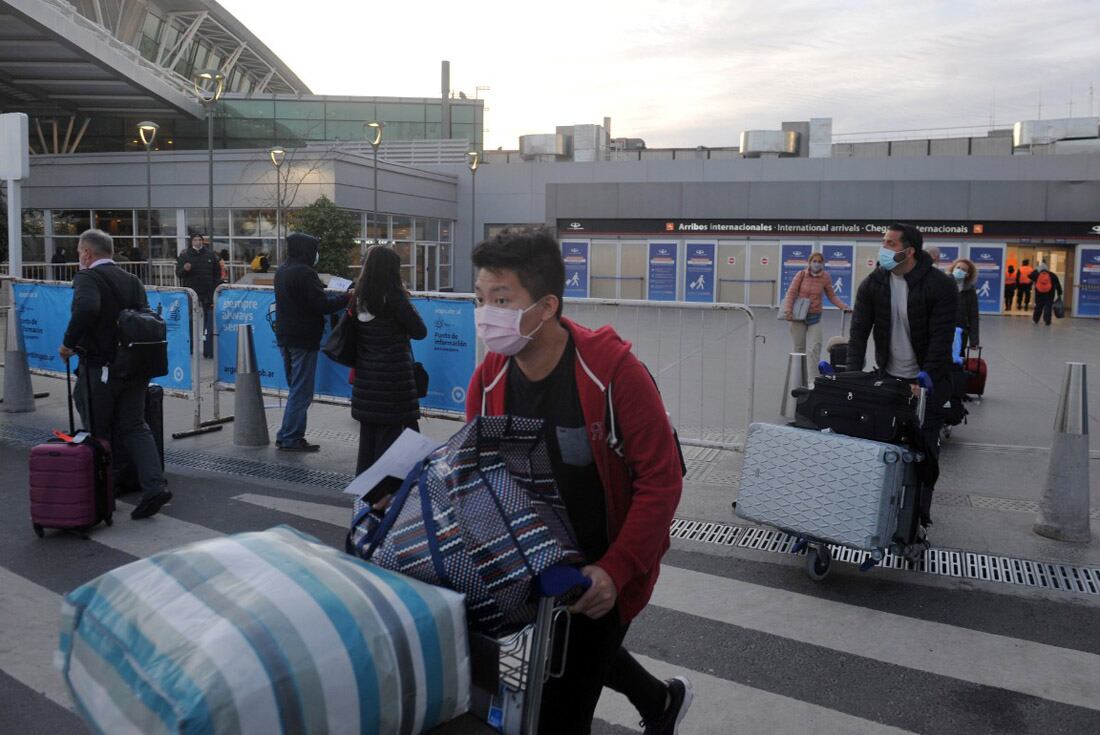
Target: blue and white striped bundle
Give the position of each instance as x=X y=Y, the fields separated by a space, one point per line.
x=263 y=633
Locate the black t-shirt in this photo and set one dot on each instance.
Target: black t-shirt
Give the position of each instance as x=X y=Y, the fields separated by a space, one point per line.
x=555 y=400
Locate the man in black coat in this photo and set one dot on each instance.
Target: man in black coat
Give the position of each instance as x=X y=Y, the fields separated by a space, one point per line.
x=198 y=269
x=101 y=290
x=909 y=304
x=301 y=304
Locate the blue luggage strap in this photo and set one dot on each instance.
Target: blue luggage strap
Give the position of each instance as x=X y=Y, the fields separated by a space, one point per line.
x=376 y=536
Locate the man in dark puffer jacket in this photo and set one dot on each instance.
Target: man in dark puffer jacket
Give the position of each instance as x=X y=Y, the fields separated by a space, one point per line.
x=910 y=305
x=301 y=304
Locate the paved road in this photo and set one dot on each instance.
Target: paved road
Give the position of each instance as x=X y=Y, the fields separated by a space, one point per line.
x=767 y=650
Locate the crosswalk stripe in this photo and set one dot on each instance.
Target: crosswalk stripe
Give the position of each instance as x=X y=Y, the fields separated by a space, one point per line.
x=29 y=635
x=334 y=515
x=151 y=535
x=1037 y=669
x=756 y=710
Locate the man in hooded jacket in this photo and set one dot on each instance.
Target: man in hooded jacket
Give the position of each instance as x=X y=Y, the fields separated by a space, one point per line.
x=301 y=304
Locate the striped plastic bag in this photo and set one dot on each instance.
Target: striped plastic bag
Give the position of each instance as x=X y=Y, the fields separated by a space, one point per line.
x=268 y=632
x=481 y=515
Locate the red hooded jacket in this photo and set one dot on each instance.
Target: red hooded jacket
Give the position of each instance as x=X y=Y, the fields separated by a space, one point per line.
x=633 y=446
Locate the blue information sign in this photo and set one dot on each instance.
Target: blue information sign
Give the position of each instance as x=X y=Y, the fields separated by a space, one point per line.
x=840 y=267
x=699 y=272
x=449 y=352
x=1088 y=282
x=792 y=257
x=948 y=255
x=989 y=261
x=575 y=255
x=44 y=310
x=662 y=271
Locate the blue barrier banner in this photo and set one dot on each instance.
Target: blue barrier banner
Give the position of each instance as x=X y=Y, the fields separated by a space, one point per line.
x=989 y=262
x=792 y=259
x=574 y=254
x=839 y=265
x=449 y=352
x=44 y=310
x=662 y=271
x=699 y=272
x=1088 y=282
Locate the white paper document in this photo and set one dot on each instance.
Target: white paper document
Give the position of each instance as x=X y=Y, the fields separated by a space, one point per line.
x=336 y=283
x=403 y=454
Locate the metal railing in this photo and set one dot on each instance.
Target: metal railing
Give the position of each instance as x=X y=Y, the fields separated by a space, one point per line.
x=160 y=273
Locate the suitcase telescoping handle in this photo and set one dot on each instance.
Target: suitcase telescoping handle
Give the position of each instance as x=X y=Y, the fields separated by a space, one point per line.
x=69 y=395
x=87 y=398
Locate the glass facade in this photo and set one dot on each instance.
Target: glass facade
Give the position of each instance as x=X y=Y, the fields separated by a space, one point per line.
x=424 y=243
x=292 y=122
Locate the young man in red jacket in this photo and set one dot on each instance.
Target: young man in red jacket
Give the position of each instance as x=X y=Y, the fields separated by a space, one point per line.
x=615 y=461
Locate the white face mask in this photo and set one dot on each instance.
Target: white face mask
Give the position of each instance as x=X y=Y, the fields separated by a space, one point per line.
x=816 y=267
x=317 y=258
x=499 y=328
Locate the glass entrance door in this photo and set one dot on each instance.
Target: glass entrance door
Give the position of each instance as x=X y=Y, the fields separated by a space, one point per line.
x=427 y=267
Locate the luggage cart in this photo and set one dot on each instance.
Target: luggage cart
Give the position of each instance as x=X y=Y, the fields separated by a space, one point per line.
x=510 y=671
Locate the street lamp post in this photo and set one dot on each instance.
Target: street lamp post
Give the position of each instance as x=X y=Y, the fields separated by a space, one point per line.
x=278 y=155
x=209 y=86
x=147 y=131
x=473 y=160
x=376 y=127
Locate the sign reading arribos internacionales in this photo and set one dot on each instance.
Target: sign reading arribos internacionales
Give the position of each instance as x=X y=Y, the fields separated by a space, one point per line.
x=756 y=227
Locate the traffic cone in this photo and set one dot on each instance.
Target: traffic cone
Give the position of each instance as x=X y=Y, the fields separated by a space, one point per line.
x=18 y=391
x=250 y=421
x=1064 y=505
x=797 y=370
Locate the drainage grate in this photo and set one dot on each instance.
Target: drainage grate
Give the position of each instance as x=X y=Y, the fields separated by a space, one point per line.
x=943 y=562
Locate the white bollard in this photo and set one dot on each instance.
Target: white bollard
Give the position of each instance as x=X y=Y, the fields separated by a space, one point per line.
x=249 y=419
x=18 y=391
x=1064 y=505
x=797 y=370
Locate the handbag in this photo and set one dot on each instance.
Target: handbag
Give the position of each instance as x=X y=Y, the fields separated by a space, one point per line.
x=421 y=377
x=480 y=515
x=340 y=345
x=1059 y=308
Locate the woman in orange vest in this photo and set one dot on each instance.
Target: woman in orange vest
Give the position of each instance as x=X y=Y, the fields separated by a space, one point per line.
x=1023 y=288
x=1011 y=279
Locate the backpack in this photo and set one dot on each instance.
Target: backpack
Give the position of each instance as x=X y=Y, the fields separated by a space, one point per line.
x=142 y=347
x=1044 y=282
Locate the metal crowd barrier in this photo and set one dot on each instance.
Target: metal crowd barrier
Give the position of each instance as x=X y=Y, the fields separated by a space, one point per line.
x=195 y=309
x=705 y=371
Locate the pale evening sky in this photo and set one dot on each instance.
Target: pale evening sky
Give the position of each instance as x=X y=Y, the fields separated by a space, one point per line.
x=693 y=72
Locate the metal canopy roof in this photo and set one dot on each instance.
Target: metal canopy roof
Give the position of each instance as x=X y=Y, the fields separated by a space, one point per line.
x=53 y=60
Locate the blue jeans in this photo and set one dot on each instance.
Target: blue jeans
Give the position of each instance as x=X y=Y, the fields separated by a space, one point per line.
x=301 y=372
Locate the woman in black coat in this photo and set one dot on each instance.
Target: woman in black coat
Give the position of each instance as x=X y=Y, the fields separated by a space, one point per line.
x=966 y=314
x=383 y=396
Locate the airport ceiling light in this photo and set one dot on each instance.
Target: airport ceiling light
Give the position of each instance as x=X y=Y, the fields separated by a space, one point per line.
x=209 y=85
x=278 y=155
x=473 y=160
x=376 y=128
x=147 y=130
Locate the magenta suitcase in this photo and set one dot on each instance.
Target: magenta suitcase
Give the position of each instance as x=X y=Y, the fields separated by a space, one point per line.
x=71 y=483
x=70 y=486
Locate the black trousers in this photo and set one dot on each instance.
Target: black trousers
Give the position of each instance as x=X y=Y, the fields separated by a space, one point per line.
x=118 y=407
x=1044 y=304
x=1010 y=291
x=375 y=439
x=595 y=658
x=1023 y=295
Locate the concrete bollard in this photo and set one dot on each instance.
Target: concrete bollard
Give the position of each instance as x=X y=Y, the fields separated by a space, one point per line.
x=250 y=421
x=18 y=391
x=1064 y=505
x=797 y=370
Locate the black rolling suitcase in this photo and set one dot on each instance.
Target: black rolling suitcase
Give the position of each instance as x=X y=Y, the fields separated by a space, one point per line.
x=863 y=405
x=126 y=479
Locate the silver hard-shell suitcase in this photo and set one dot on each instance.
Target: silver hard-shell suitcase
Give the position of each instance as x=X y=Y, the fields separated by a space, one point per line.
x=829 y=488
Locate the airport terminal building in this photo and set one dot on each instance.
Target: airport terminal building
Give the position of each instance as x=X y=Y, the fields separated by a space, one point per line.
x=719 y=224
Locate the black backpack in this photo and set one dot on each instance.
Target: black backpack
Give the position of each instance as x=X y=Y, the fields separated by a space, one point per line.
x=142 y=347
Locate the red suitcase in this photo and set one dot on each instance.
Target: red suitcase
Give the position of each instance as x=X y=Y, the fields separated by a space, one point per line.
x=976 y=373
x=71 y=484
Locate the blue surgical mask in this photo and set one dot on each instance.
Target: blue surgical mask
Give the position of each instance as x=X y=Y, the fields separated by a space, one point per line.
x=886 y=258
x=959 y=274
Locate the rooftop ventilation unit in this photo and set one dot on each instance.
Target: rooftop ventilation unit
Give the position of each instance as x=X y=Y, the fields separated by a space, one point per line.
x=1038 y=132
x=771 y=143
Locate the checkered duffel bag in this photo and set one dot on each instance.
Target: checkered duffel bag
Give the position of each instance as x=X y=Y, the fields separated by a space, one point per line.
x=480 y=515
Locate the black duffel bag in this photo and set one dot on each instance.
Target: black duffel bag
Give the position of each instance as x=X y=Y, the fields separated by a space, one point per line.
x=142 y=347
x=859 y=404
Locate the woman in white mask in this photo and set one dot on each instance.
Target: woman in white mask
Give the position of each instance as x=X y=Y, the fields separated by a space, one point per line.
x=803 y=307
